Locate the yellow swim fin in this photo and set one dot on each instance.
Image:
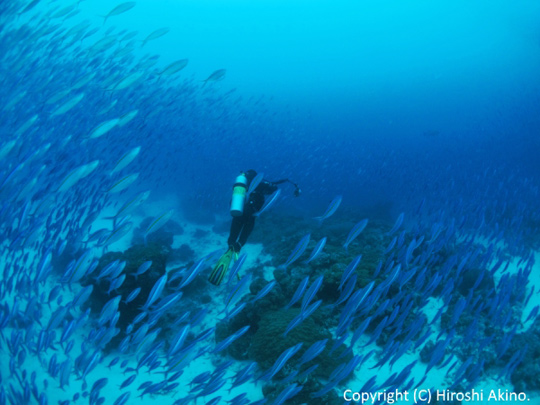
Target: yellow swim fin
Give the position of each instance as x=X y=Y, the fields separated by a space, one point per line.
x=222 y=266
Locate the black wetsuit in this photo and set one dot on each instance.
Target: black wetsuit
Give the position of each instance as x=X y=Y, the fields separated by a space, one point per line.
x=242 y=226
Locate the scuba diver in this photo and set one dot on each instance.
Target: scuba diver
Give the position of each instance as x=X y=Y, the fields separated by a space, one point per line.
x=248 y=199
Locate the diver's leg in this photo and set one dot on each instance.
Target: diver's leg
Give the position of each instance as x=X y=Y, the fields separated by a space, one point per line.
x=249 y=224
x=236 y=226
x=221 y=268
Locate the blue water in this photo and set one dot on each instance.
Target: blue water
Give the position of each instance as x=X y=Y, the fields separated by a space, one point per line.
x=416 y=110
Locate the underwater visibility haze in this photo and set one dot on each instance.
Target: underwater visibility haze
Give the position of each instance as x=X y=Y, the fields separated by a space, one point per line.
x=247 y=202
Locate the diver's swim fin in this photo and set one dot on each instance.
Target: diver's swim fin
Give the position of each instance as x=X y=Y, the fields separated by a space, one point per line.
x=221 y=267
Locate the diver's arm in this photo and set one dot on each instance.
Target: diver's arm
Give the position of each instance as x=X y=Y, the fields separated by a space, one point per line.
x=280 y=181
x=297 y=190
x=267 y=187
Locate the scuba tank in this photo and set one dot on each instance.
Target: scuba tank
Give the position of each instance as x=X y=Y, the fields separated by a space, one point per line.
x=239 y=195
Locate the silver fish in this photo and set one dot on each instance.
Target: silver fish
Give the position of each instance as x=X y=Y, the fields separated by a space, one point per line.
x=174 y=67
x=158 y=222
x=123 y=183
x=68 y=106
x=215 y=76
x=155 y=35
x=334 y=205
x=77 y=174
x=119 y=9
x=124 y=119
x=126 y=159
x=103 y=128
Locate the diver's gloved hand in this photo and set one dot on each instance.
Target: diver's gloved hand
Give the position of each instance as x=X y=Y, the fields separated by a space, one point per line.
x=235 y=247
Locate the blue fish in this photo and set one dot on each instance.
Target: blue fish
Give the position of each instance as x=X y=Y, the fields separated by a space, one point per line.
x=113 y=362
x=397 y=224
x=99 y=384
x=289 y=392
x=142 y=268
x=65 y=372
x=268 y=203
x=438 y=352
x=345 y=294
x=192 y=273
x=244 y=375
x=233 y=274
x=332 y=208
x=122 y=399
x=458 y=309
x=301 y=317
x=298 y=293
x=355 y=231
x=237 y=291
x=240 y=400
x=314 y=350
x=132 y=295
x=116 y=283
x=533 y=313
x=390 y=245
x=316 y=250
x=408 y=254
x=158 y=222
x=229 y=340
x=338 y=343
x=116 y=234
x=109 y=310
x=82 y=296
x=354 y=302
x=108 y=269
x=139 y=317
x=129 y=206
x=140 y=334
x=235 y=311
x=178 y=341
x=254 y=184
x=155 y=292
x=264 y=291
x=56 y=318
x=280 y=362
x=349 y=270
x=310 y=293
x=359 y=331
x=79 y=269
x=165 y=303
x=201 y=378
x=297 y=251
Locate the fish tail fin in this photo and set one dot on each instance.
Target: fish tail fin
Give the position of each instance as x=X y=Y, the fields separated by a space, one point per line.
x=104 y=18
x=330 y=307
x=114 y=219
